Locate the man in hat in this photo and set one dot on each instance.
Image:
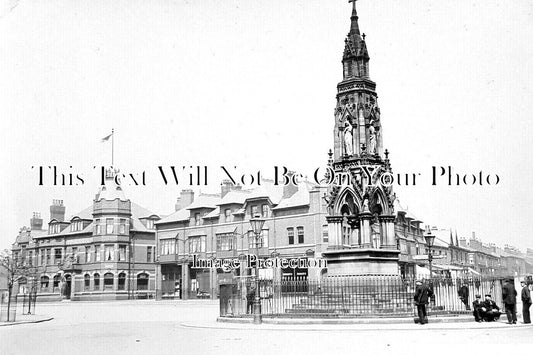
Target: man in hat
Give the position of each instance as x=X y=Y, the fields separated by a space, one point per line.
x=491 y=309
x=478 y=309
x=526 y=302
x=463 y=295
x=250 y=298
x=422 y=295
x=509 y=299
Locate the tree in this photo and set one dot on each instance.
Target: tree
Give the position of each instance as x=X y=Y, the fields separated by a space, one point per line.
x=16 y=268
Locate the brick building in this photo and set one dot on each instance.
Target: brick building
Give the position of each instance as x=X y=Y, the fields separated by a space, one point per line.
x=103 y=252
x=218 y=226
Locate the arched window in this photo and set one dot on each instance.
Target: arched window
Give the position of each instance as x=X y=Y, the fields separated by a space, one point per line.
x=122 y=281
x=142 y=282
x=45 y=282
x=55 y=285
x=96 y=278
x=86 y=282
x=108 y=281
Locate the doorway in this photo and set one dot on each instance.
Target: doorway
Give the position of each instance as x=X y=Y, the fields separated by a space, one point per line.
x=68 y=286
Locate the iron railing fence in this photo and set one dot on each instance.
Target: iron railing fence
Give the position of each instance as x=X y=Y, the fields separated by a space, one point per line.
x=353 y=296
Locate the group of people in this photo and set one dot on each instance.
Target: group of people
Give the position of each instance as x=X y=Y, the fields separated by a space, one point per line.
x=509 y=296
x=487 y=310
x=484 y=311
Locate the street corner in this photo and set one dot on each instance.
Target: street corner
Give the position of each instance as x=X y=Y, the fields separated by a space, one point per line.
x=27 y=319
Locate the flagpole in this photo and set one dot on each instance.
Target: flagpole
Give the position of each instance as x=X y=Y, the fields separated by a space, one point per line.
x=113 y=147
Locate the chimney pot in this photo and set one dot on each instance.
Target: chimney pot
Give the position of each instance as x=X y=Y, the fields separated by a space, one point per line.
x=57 y=210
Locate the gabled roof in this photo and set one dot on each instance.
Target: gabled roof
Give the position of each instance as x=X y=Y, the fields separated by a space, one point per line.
x=178 y=216
x=235 y=197
x=138 y=211
x=23 y=237
x=299 y=198
x=267 y=189
x=204 y=201
x=213 y=214
x=87 y=213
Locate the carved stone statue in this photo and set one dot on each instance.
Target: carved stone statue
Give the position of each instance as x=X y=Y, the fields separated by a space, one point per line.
x=376 y=113
x=365 y=204
x=375 y=232
x=348 y=138
x=372 y=139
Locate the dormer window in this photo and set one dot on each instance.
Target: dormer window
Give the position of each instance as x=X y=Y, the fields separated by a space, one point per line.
x=54 y=228
x=254 y=211
x=197 y=219
x=76 y=226
x=149 y=224
x=228 y=217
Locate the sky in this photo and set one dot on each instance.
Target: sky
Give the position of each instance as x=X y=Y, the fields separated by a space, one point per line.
x=251 y=84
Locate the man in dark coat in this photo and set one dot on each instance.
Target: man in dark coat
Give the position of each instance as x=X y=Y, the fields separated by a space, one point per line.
x=422 y=295
x=526 y=302
x=477 y=305
x=250 y=297
x=491 y=311
x=509 y=299
x=464 y=292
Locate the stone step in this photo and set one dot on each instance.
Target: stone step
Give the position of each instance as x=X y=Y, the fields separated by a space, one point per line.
x=316 y=311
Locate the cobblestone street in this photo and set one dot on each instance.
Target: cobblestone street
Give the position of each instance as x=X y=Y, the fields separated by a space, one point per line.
x=189 y=327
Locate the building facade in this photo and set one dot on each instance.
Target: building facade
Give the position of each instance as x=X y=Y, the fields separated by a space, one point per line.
x=104 y=252
x=217 y=226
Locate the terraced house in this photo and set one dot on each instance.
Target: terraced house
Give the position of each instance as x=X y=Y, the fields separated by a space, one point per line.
x=218 y=226
x=104 y=252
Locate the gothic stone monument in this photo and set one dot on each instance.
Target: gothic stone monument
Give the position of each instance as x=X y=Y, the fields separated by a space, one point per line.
x=360 y=209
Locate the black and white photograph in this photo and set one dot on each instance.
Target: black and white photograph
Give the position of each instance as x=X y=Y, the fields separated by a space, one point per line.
x=261 y=177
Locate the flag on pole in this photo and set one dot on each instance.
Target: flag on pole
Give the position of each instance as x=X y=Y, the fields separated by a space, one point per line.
x=106 y=138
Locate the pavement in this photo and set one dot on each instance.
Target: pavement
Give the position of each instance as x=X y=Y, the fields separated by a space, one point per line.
x=190 y=327
x=27 y=319
x=305 y=324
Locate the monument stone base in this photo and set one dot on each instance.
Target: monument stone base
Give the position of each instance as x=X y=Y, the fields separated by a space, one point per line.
x=351 y=262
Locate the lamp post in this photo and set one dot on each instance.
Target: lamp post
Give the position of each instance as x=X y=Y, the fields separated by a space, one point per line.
x=430 y=239
x=257 y=226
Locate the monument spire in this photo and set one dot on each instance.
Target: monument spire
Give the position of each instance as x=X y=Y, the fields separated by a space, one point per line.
x=362 y=239
x=354 y=27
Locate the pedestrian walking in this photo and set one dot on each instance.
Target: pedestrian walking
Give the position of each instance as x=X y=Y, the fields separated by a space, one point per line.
x=509 y=300
x=464 y=293
x=422 y=295
x=526 y=302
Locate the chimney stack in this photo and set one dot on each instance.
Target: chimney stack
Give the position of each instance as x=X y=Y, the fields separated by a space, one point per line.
x=227 y=186
x=185 y=199
x=57 y=210
x=36 y=222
